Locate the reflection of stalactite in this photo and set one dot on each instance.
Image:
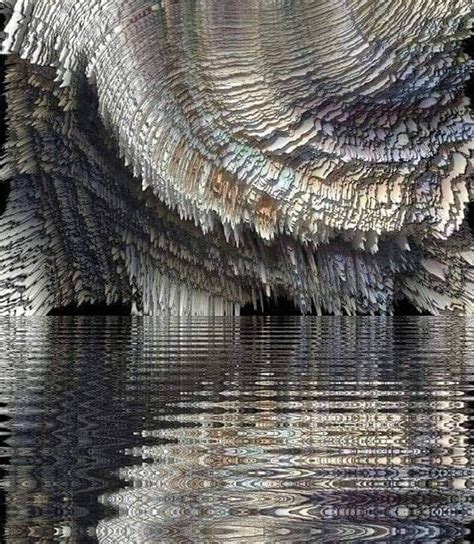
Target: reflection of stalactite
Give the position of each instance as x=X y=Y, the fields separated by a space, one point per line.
x=190 y=157
x=62 y=428
x=338 y=423
x=245 y=427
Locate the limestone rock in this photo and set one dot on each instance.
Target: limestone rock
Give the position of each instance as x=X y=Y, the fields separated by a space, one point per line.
x=194 y=156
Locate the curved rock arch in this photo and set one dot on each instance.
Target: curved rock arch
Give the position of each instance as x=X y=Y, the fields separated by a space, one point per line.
x=190 y=157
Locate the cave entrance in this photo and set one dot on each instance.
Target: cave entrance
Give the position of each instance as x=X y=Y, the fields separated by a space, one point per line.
x=283 y=306
x=98 y=309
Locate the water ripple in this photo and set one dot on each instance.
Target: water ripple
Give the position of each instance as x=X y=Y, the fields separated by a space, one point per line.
x=252 y=430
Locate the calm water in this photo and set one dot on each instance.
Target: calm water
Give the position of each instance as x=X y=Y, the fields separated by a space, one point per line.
x=258 y=430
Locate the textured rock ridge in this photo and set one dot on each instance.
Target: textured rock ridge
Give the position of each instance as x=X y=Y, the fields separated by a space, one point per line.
x=191 y=157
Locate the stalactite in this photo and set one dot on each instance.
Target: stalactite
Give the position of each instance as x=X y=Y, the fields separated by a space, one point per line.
x=191 y=157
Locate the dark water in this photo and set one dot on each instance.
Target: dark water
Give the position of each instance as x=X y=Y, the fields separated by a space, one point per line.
x=123 y=430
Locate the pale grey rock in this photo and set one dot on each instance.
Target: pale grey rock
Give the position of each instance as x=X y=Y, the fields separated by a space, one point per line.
x=194 y=156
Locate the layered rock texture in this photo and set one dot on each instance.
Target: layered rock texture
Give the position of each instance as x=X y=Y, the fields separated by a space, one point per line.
x=193 y=156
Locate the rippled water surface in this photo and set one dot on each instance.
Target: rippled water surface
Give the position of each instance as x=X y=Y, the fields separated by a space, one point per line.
x=259 y=430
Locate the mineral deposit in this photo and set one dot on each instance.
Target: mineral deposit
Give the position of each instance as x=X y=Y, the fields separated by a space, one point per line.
x=189 y=157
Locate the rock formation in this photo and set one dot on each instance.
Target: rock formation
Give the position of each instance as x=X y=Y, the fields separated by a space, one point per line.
x=193 y=156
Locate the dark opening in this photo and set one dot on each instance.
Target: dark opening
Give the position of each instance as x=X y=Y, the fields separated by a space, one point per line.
x=470 y=216
x=284 y=306
x=100 y=308
x=4 y=187
x=272 y=306
x=405 y=307
x=4 y=192
x=469 y=49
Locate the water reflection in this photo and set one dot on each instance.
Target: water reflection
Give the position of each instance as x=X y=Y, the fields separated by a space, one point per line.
x=250 y=430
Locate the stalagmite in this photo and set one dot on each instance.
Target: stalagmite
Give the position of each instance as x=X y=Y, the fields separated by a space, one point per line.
x=190 y=157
